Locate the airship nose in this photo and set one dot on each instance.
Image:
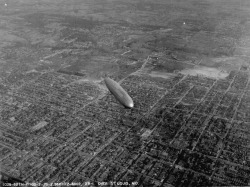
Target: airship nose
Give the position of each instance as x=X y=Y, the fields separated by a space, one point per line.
x=131 y=105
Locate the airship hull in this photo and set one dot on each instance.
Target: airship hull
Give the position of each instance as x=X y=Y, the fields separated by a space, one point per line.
x=120 y=94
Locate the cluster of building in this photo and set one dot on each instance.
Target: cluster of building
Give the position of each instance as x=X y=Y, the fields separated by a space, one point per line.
x=184 y=130
x=156 y=142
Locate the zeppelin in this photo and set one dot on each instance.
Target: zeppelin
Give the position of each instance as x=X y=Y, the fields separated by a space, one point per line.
x=120 y=94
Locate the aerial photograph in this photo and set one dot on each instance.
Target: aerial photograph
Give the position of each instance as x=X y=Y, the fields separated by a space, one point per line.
x=140 y=93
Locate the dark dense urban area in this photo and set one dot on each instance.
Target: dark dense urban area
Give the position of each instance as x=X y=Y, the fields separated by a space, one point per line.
x=185 y=64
